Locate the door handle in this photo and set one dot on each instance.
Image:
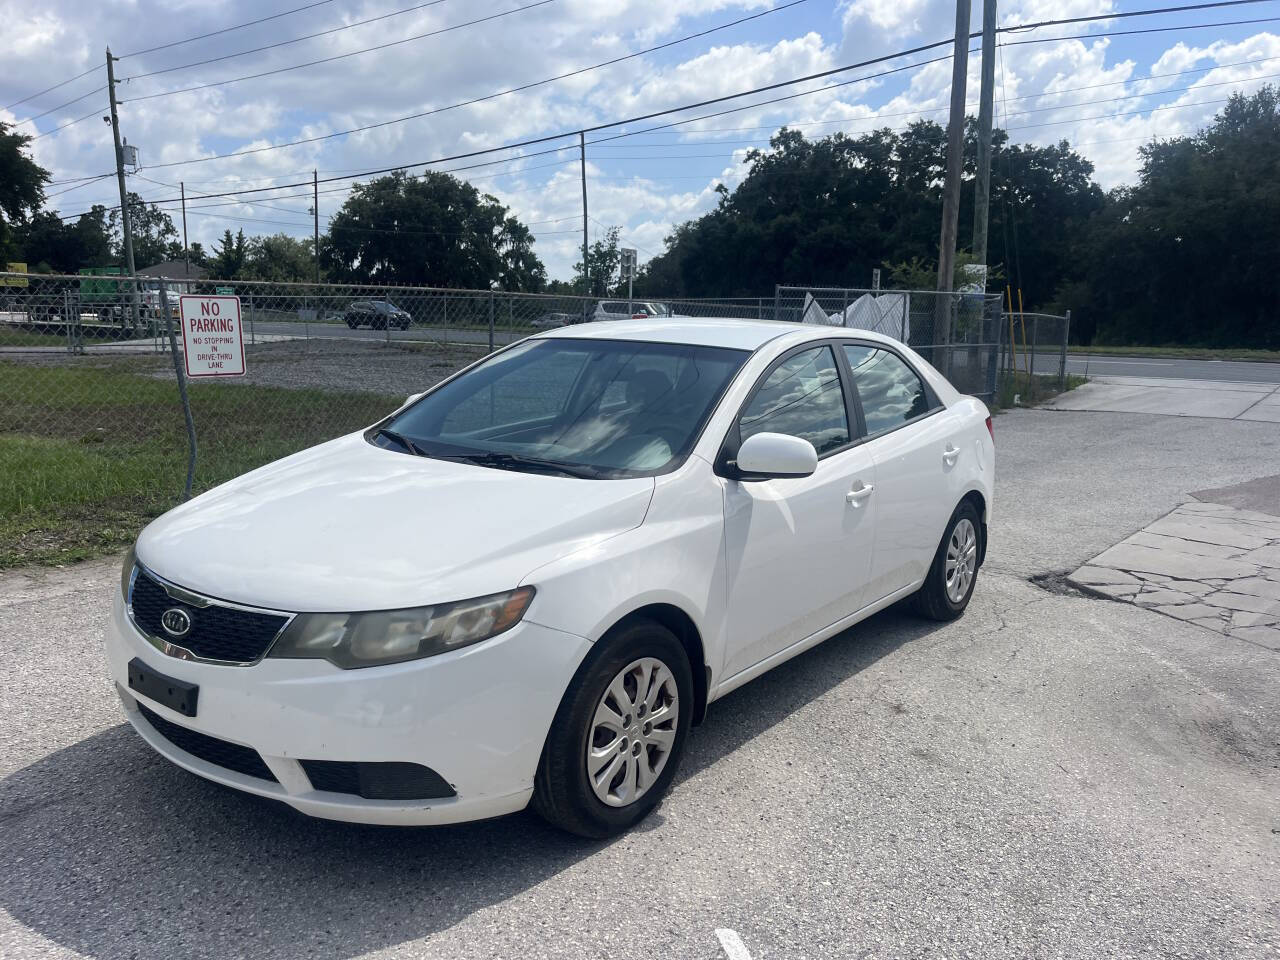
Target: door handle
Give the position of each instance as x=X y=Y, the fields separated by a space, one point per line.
x=950 y=454
x=859 y=493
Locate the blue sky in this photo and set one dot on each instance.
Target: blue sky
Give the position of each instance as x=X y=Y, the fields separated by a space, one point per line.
x=1092 y=92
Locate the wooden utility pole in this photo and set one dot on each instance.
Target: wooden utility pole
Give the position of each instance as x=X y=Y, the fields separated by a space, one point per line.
x=315 y=213
x=582 y=160
x=126 y=231
x=186 y=249
x=986 y=107
x=951 y=189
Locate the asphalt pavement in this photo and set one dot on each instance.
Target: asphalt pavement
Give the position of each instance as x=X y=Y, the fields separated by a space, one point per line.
x=1052 y=775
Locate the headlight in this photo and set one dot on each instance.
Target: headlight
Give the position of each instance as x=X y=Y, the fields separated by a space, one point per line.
x=126 y=572
x=350 y=640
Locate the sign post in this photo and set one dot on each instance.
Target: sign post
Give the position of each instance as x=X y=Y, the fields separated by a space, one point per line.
x=212 y=336
x=629 y=271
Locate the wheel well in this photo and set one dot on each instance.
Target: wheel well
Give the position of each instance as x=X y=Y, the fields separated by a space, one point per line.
x=980 y=504
x=682 y=625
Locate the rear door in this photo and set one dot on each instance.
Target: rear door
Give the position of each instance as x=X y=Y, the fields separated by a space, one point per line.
x=912 y=439
x=798 y=550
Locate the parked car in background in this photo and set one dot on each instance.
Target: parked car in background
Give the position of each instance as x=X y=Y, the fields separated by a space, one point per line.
x=629 y=310
x=378 y=314
x=549 y=321
x=525 y=585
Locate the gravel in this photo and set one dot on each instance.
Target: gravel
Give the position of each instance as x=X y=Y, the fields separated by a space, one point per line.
x=1051 y=775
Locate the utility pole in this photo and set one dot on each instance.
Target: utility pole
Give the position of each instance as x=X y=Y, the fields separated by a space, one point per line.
x=986 y=107
x=582 y=160
x=186 y=250
x=126 y=231
x=315 y=212
x=951 y=189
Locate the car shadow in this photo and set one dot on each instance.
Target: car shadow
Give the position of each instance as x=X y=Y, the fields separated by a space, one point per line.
x=113 y=852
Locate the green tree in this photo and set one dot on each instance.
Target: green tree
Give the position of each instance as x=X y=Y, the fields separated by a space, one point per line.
x=280 y=257
x=604 y=258
x=1188 y=254
x=49 y=244
x=433 y=229
x=229 y=258
x=152 y=230
x=22 y=183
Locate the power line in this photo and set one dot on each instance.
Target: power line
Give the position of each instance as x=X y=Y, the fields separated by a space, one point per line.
x=39 y=116
x=1127 y=33
x=70 y=123
x=285 y=43
x=344 y=56
x=548 y=138
x=491 y=96
x=215 y=33
x=56 y=86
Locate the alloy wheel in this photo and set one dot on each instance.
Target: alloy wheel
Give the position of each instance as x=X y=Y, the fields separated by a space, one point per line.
x=962 y=560
x=632 y=732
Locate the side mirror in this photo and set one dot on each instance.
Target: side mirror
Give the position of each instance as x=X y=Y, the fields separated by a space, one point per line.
x=766 y=456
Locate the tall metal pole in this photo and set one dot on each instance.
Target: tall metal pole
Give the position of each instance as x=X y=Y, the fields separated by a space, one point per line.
x=315 y=211
x=986 y=107
x=582 y=159
x=126 y=231
x=951 y=189
x=186 y=249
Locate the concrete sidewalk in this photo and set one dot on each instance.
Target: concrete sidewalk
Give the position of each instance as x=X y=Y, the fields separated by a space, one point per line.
x=1216 y=399
x=1213 y=564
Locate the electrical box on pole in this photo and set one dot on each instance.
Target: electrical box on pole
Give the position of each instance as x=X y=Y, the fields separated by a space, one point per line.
x=629 y=273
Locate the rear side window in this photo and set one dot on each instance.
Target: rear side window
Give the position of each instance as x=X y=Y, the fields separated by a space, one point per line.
x=891 y=392
x=801 y=397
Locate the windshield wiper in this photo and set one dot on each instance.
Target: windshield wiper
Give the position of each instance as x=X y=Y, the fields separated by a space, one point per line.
x=516 y=461
x=401 y=439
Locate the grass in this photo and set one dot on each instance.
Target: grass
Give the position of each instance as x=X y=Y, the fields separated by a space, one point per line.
x=24 y=338
x=1184 y=353
x=89 y=455
x=1032 y=390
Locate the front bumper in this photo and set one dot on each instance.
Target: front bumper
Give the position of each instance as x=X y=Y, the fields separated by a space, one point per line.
x=478 y=716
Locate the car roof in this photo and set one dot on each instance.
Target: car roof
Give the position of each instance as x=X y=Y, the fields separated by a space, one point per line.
x=734 y=333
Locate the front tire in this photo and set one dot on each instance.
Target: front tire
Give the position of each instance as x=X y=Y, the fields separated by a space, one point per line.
x=619 y=734
x=954 y=573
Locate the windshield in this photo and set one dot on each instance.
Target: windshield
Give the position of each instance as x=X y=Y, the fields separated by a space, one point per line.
x=594 y=408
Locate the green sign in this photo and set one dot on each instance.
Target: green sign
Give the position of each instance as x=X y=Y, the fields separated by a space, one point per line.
x=224 y=291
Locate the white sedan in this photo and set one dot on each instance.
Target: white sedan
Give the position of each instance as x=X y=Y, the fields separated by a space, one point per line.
x=526 y=585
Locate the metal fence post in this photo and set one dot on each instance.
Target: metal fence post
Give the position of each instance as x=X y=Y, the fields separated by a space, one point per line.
x=1035 y=336
x=777 y=301
x=181 y=374
x=1062 y=356
x=253 y=332
x=491 y=321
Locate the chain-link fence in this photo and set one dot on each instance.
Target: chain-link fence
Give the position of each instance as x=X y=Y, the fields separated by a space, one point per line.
x=93 y=434
x=981 y=349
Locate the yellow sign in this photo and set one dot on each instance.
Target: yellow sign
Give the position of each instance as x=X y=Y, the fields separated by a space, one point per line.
x=14 y=281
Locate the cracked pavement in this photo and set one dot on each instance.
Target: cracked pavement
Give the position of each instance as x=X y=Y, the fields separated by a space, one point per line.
x=1052 y=775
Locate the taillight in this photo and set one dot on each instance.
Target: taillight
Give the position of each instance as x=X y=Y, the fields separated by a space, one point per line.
x=991 y=430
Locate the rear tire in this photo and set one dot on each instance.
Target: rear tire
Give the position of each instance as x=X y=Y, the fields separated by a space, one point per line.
x=637 y=672
x=352 y=322
x=946 y=590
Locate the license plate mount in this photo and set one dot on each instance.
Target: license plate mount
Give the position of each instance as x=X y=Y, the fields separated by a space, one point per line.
x=167 y=691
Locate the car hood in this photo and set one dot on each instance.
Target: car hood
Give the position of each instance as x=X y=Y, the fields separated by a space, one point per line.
x=349 y=526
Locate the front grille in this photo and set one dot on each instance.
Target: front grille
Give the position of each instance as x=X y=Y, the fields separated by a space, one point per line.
x=217 y=632
x=377 y=781
x=220 y=753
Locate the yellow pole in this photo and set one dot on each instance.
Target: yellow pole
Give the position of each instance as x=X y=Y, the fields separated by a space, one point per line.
x=1022 y=318
x=1013 y=363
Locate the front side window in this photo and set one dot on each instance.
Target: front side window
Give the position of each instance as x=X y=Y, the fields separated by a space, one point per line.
x=891 y=392
x=801 y=397
x=595 y=408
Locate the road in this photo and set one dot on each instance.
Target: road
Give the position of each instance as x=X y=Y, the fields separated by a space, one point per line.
x=1162 y=368
x=1051 y=775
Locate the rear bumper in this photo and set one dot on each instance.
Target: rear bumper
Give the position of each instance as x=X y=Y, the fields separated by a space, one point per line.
x=478 y=716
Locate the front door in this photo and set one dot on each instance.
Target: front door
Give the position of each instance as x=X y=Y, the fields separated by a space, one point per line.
x=799 y=550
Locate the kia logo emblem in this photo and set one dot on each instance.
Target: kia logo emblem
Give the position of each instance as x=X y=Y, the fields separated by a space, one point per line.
x=176 y=622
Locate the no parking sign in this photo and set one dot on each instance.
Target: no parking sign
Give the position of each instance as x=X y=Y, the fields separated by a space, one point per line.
x=212 y=340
